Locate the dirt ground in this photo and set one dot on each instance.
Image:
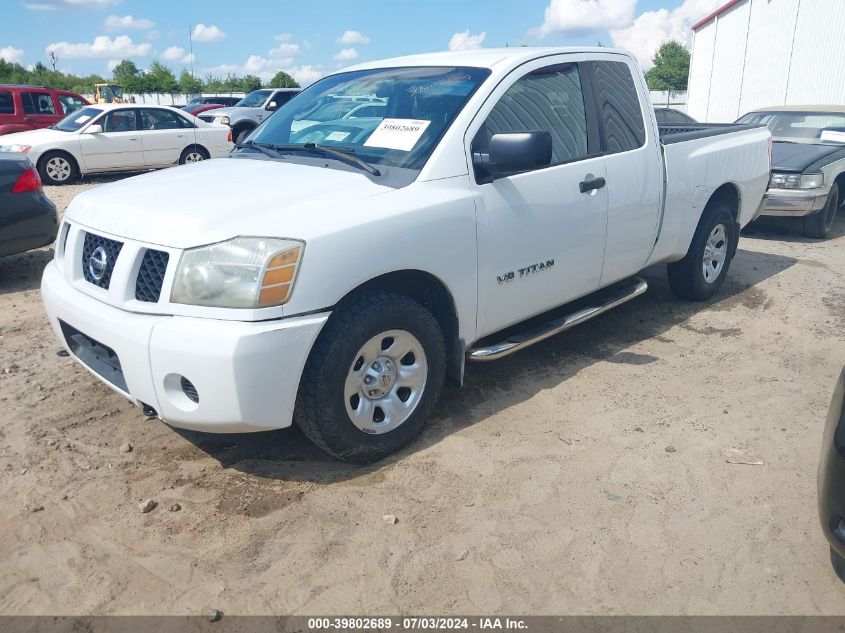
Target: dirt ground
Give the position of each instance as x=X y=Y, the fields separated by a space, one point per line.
x=598 y=472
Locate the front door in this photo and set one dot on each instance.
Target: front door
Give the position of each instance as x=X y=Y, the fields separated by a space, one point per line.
x=540 y=238
x=117 y=147
x=39 y=109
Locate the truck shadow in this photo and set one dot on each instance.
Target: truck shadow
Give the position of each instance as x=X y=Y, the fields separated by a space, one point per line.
x=488 y=387
x=790 y=229
x=22 y=272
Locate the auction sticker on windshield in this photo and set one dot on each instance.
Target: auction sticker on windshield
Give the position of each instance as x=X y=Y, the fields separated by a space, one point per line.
x=400 y=134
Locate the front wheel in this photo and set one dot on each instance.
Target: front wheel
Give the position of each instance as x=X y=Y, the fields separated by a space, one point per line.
x=373 y=377
x=57 y=168
x=818 y=225
x=240 y=135
x=838 y=563
x=699 y=275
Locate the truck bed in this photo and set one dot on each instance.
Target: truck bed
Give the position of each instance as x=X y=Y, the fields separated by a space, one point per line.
x=680 y=133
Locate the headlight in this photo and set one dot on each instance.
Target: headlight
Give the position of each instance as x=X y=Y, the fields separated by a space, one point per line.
x=796 y=181
x=224 y=120
x=245 y=272
x=23 y=149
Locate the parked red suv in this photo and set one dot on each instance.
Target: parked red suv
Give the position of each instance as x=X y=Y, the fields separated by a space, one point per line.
x=31 y=107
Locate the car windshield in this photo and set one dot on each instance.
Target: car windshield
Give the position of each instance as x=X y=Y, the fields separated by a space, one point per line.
x=72 y=122
x=418 y=105
x=801 y=127
x=254 y=99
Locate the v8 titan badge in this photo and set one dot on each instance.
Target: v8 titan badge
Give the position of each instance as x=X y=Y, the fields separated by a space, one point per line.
x=400 y=134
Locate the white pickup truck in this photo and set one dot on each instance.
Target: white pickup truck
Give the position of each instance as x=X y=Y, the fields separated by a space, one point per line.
x=338 y=274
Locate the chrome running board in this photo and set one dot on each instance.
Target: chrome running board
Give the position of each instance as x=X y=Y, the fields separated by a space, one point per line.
x=521 y=340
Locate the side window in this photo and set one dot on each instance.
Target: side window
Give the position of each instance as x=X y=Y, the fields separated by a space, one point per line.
x=282 y=98
x=38 y=103
x=71 y=103
x=159 y=120
x=618 y=106
x=548 y=99
x=120 y=121
x=7 y=104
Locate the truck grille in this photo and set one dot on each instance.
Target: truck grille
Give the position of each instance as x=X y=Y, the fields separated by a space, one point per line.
x=151 y=276
x=99 y=255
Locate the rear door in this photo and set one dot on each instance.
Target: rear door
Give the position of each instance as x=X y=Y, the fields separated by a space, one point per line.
x=118 y=146
x=163 y=136
x=39 y=109
x=541 y=234
x=634 y=167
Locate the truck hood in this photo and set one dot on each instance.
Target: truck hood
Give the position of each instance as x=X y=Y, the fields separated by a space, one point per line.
x=215 y=200
x=796 y=157
x=231 y=111
x=35 y=137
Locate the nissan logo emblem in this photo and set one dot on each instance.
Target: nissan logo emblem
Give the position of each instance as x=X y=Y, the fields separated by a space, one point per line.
x=97 y=263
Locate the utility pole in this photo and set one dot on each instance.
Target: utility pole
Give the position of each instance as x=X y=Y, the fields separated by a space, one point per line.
x=54 y=59
x=191 y=48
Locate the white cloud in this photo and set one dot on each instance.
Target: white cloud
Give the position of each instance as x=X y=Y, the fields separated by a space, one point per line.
x=177 y=54
x=587 y=15
x=112 y=64
x=645 y=35
x=265 y=68
x=352 y=38
x=345 y=55
x=11 y=54
x=102 y=46
x=283 y=37
x=52 y=5
x=466 y=42
x=285 y=49
x=118 y=22
x=203 y=33
x=305 y=75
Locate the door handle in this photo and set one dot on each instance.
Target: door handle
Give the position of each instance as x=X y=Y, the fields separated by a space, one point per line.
x=28 y=119
x=133 y=139
x=591 y=185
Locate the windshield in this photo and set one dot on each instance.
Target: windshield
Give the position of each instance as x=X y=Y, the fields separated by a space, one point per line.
x=417 y=105
x=254 y=99
x=801 y=127
x=72 y=122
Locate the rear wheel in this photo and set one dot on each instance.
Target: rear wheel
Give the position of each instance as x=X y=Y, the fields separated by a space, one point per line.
x=193 y=154
x=373 y=377
x=57 y=168
x=700 y=274
x=241 y=134
x=819 y=224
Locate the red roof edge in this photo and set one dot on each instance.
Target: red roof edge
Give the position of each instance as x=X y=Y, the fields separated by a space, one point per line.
x=715 y=13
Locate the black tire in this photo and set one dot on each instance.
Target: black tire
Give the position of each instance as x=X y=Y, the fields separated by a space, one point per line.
x=838 y=563
x=47 y=165
x=686 y=277
x=242 y=133
x=818 y=225
x=321 y=410
x=193 y=150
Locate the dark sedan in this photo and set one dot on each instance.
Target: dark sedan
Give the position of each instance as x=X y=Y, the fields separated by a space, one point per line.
x=27 y=217
x=808 y=164
x=832 y=479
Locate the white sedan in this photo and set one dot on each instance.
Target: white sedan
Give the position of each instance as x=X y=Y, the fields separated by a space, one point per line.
x=118 y=137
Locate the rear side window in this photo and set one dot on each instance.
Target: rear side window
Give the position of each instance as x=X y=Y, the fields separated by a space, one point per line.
x=161 y=120
x=618 y=106
x=38 y=103
x=547 y=99
x=7 y=104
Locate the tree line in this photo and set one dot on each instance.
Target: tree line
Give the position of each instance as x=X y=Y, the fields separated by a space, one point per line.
x=158 y=78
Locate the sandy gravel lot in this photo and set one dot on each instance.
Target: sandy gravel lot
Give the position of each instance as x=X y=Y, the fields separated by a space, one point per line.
x=594 y=473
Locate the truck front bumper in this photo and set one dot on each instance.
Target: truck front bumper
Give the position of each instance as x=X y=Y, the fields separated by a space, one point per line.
x=199 y=374
x=793 y=203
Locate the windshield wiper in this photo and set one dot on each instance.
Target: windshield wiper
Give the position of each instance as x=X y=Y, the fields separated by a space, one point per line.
x=346 y=156
x=264 y=149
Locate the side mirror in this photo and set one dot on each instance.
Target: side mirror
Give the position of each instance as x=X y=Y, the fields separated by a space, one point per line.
x=515 y=152
x=94 y=129
x=272 y=106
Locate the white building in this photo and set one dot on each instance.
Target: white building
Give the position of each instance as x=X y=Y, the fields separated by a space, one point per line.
x=754 y=53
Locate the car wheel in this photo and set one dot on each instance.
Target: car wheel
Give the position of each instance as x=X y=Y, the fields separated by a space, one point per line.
x=373 y=377
x=838 y=563
x=241 y=135
x=819 y=224
x=57 y=168
x=193 y=154
x=699 y=275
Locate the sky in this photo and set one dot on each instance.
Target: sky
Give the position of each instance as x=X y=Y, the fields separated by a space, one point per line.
x=309 y=38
